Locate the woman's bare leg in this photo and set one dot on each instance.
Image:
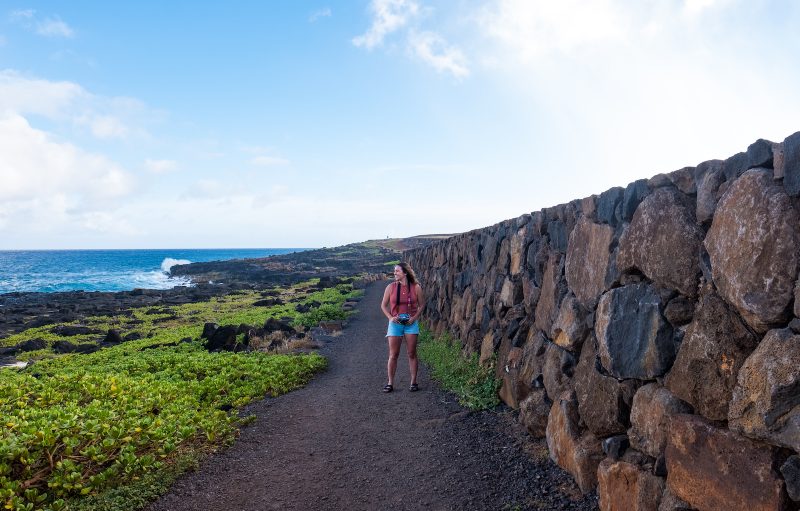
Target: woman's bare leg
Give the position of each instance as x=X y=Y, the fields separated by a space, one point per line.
x=394 y=353
x=411 y=349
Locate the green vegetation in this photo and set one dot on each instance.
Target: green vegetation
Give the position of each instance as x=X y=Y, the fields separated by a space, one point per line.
x=112 y=429
x=171 y=324
x=473 y=383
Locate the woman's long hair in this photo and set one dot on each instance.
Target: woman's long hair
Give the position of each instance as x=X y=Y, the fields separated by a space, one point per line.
x=410 y=275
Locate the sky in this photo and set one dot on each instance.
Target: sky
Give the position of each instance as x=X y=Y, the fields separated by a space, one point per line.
x=194 y=124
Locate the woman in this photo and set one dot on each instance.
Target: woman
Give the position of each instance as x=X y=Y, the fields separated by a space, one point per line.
x=401 y=305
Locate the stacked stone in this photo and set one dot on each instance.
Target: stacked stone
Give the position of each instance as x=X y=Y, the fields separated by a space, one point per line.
x=651 y=333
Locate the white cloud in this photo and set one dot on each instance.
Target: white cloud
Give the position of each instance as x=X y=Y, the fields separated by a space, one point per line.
x=104 y=126
x=54 y=192
x=160 y=166
x=103 y=117
x=697 y=7
x=320 y=13
x=268 y=161
x=388 y=16
x=107 y=223
x=35 y=96
x=432 y=49
x=51 y=26
x=54 y=27
x=531 y=28
x=22 y=14
x=51 y=187
x=33 y=165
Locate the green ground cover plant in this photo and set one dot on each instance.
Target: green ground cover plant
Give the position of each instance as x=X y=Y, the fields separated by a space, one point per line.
x=474 y=384
x=107 y=429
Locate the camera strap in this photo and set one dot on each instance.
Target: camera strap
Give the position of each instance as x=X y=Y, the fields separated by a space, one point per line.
x=408 y=297
x=398 y=297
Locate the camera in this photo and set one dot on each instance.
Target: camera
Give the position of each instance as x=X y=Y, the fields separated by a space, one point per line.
x=403 y=318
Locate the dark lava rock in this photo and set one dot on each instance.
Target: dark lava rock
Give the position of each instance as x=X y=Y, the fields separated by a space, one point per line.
x=64 y=347
x=72 y=330
x=269 y=302
x=113 y=337
x=614 y=446
x=759 y=154
x=791 y=474
x=9 y=351
x=634 y=194
x=607 y=205
x=208 y=330
x=791 y=162
x=223 y=339
x=273 y=325
x=679 y=311
x=634 y=339
x=133 y=336
x=32 y=345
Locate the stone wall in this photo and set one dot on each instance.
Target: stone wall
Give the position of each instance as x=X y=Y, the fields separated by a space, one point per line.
x=650 y=332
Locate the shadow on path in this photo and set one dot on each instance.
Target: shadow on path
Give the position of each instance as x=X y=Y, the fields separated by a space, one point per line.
x=341 y=444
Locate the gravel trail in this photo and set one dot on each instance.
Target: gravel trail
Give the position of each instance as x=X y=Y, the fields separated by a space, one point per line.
x=341 y=444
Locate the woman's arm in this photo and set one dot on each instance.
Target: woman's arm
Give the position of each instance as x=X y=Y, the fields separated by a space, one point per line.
x=420 y=303
x=385 y=303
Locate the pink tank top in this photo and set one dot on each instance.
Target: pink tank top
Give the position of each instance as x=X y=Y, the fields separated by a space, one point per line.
x=407 y=304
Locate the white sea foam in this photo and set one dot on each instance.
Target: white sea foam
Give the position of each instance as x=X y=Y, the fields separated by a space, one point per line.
x=169 y=262
x=156 y=280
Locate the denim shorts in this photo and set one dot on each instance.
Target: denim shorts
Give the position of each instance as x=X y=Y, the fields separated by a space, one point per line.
x=398 y=330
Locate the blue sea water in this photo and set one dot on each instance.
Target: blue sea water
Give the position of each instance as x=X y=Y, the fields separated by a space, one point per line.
x=107 y=270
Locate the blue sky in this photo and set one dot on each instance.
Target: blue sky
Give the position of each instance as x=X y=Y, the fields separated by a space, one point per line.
x=300 y=124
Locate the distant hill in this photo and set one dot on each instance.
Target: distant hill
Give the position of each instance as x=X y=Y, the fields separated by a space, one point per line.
x=373 y=256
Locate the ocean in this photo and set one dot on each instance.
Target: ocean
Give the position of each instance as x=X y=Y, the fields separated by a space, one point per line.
x=108 y=270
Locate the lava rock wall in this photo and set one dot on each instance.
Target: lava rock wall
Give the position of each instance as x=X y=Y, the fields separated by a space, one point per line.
x=651 y=333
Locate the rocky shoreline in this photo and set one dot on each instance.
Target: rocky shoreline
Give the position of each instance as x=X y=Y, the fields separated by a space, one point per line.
x=22 y=310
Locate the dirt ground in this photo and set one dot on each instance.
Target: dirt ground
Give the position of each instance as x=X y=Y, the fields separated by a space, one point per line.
x=342 y=444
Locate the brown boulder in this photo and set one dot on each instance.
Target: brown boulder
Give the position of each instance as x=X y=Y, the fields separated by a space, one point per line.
x=553 y=290
x=624 y=486
x=714 y=469
x=533 y=412
x=570 y=328
x=671 y=502
x=709 y=178
x=578 y=452
x=653 y=407
x=714 y=348
x=588 y=258
x=683 y=179
x=766 y=400
x=604 y=403
x=558 y=369
x=487 y=347
x=506 y=355
x=663 y=242
x=753 y=245
x=530 y=364
x=517 y=250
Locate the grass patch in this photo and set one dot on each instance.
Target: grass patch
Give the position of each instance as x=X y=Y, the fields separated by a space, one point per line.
x=474 y=384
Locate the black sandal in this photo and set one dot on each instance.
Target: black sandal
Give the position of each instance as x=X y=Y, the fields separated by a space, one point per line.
x=413 y=388
x=387 y=388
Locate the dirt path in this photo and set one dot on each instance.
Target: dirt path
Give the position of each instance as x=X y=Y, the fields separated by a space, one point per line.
x=341 y=444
